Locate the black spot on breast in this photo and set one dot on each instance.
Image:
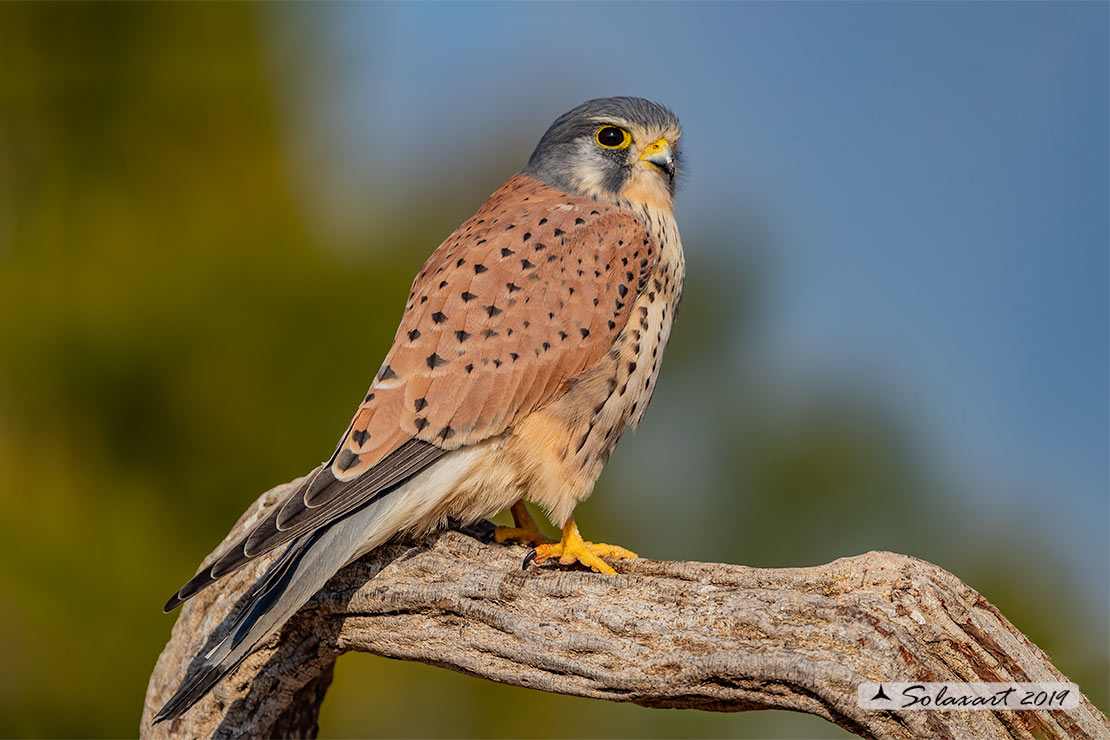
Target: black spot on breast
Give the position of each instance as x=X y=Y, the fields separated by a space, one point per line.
x=470 y=368
x=414 y=335
x=420 y=404
x=468 y=297
x=460 y=263
x=540 y=246
x=435 y=361
x=579 y=221
x=489 y=334
x=546 y=346
x=512 y=287
x=622 y=289
x=462 y=336
x=631 y=367
x=559 y=232
x=582 y=442
x=527 y=236
x=443 y=284
x=514 y=355
x=563 y=335
x=439 y=317
x=479 y=269
x=423 y=298
x=542 y=221
x=492 y=310
x=526 y=265
x=585 y=333
x=506 y=252
x=612 y=325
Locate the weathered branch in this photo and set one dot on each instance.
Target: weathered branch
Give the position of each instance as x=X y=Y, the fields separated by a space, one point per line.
x=660 y=634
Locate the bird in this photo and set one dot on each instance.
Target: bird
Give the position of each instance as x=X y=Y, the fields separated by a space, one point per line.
x=530 y=341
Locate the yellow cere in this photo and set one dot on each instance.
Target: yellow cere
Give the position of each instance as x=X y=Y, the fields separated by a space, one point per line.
x=652 y=148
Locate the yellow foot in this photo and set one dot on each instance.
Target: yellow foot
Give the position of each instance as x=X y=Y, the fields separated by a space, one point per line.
x=525 y=532
x=573 y=549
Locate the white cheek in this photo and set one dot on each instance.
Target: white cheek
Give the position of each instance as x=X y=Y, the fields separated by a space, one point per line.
x=590 y=175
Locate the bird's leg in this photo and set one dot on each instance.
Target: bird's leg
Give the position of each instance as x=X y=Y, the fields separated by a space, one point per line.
x=573 y=549
x=525 y=531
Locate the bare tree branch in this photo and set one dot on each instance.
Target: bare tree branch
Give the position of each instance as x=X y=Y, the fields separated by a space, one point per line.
x=660 y=634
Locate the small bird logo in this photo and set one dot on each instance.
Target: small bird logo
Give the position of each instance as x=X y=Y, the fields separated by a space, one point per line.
x=531 y=339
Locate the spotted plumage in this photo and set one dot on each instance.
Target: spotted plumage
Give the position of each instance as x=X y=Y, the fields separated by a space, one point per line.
x=530 y=340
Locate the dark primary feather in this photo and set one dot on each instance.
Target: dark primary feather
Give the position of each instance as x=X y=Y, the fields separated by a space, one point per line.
x=294 y=517
x=231 y=651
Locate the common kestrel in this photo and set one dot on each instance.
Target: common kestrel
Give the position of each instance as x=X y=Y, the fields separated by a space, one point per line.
x=531 y=339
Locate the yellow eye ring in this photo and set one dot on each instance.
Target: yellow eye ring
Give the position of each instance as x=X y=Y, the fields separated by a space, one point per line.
x=612 y=137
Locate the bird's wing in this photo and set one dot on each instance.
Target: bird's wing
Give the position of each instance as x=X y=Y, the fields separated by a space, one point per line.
x=523 y=297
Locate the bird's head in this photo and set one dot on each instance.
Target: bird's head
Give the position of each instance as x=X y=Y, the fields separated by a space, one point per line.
x=612 y=149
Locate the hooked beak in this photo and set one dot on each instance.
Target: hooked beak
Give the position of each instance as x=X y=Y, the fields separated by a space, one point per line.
x=659 y=153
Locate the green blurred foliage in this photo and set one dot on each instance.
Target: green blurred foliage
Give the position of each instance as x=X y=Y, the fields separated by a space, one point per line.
x=174 y=339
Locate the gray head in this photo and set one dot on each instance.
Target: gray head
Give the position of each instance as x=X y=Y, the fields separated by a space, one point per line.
x=614 y=149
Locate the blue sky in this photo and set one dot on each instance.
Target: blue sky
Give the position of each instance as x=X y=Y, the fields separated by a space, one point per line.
x=934 y=176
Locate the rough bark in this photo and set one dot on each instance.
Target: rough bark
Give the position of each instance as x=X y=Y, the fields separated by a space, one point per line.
x=660 y=634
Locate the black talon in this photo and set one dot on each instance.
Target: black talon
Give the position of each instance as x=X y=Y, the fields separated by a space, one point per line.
x=528 y=559
x=482 y=530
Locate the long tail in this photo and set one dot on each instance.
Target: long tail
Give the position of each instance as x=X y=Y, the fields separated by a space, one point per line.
x=284 y=588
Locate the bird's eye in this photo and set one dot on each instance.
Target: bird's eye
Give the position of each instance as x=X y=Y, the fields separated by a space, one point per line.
x=611 y=137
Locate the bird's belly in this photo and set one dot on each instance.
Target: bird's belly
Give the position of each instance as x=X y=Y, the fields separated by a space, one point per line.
x=562 y=449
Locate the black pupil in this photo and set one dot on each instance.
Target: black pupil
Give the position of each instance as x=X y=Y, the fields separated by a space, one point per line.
x=610 y=136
